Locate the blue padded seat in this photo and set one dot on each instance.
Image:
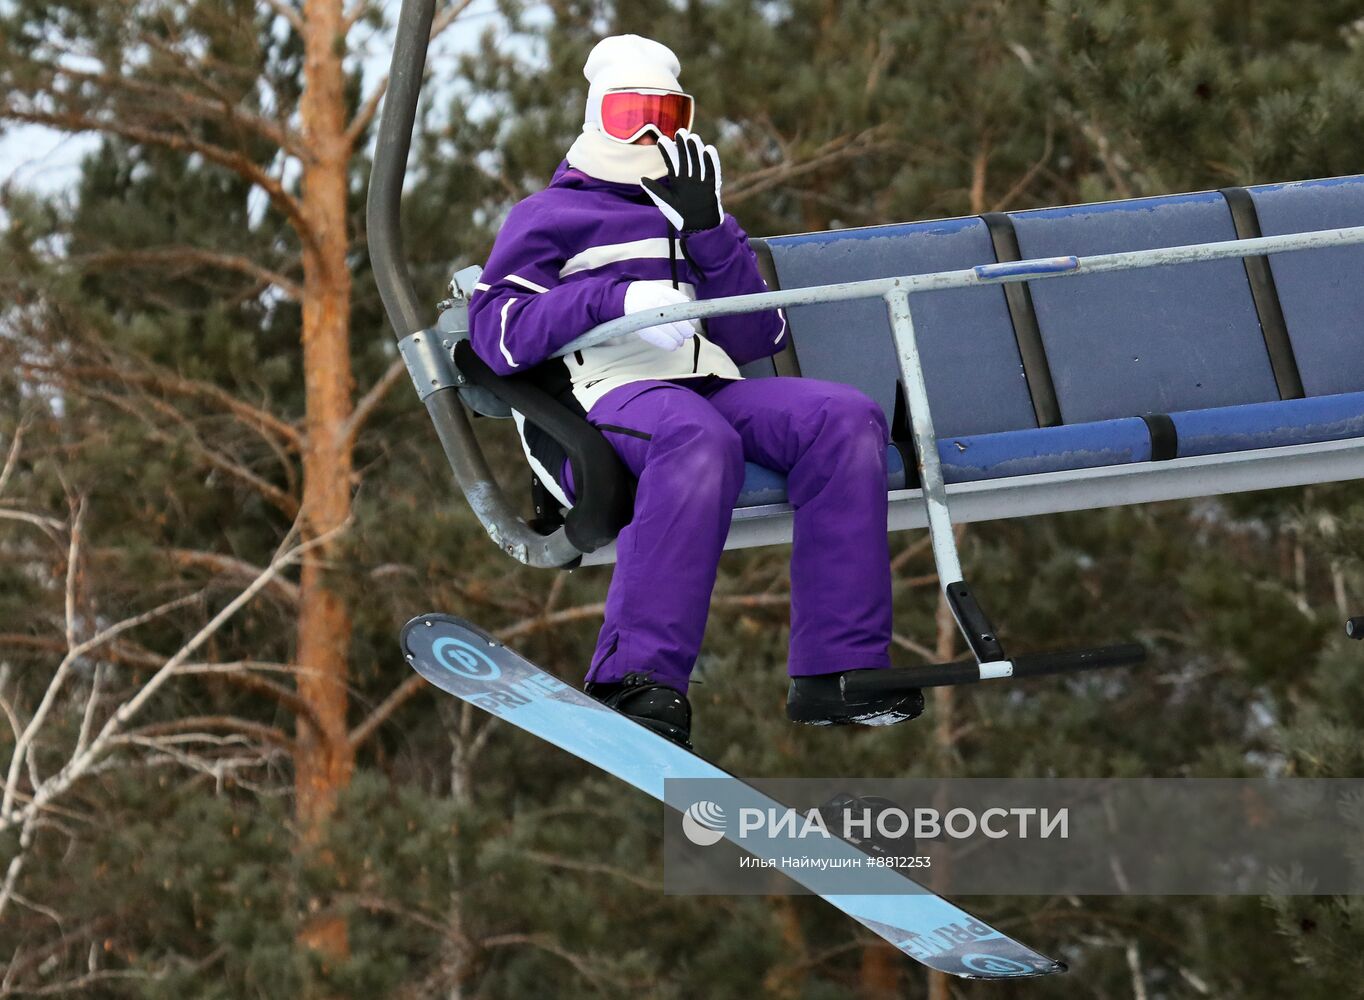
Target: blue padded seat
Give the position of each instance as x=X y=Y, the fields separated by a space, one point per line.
x=1153 y=340
x=1184 y=341
x=970 y=356
x=1044 y=449
x=763 y=486
x=1321 y=291
x=1215 y=431
x=969 y=458
x=1270 y=425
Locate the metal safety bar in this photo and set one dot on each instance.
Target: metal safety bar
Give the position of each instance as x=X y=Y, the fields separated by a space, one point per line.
x=983 y=274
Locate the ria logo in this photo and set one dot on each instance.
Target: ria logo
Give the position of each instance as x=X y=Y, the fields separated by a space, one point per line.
x=464 y=659
x=704 y=823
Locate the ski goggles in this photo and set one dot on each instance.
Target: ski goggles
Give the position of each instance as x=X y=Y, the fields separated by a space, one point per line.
x=628 y=114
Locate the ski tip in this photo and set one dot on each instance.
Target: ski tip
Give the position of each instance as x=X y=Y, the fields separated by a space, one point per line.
x=441 y=621
x=961 y=945
x=998 y=967
x=451 y=653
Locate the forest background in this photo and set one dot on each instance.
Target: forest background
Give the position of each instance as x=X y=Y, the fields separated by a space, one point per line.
x=219 y=500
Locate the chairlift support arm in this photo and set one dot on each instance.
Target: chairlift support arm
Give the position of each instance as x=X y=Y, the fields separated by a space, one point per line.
x=504 y=525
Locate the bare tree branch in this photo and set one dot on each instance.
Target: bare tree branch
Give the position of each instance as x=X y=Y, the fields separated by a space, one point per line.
x=186 y=258
x=378 y=904
x=11 y=715
x=32 y=959
x=917 y=648
x=74 y=653
x=590 y=867
x=370 y=106
x=12 y=458
x=222 y=109
x=837 y=150
x=131 y=707
x=549 y=945
x=244 y=674
x=91 y=705
x=1021 y=185
x=396 y=699
x=187 y=725
x=294 y=17
x=49 y=524
x=221 y=563
x=73 y=121
x=173 y=383
x=73 y=554
x=370 y=401
x=281 y=499
x=447 y=17
x=71 y=987
x=83 y=762
x=366 y=112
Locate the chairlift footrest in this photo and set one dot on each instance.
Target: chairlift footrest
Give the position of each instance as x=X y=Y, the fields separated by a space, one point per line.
x=868 y=682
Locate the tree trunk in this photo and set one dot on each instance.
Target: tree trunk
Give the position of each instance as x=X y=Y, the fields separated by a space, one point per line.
x=323 y=760
x=879 y=976
x=788 y=979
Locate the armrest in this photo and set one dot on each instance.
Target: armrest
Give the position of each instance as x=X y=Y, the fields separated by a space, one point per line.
x=605 y=489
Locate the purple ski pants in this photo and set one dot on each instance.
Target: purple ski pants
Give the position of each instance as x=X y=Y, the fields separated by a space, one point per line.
x=686 y=442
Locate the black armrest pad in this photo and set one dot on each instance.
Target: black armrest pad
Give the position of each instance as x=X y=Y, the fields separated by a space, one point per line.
x=604 y=487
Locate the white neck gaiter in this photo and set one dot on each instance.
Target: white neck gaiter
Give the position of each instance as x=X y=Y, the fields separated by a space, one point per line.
x=601 y=157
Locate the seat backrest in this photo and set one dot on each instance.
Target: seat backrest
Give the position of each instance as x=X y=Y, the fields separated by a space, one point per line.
x=1156 y=340
x=1321 y=292
x=971 y=359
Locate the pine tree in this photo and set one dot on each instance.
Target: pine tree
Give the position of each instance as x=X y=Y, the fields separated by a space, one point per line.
x=165 y=394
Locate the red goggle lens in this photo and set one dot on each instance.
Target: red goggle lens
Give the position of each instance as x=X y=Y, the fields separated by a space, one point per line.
x=625 y=114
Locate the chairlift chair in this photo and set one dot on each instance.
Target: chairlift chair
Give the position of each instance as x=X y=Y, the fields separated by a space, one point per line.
x=1030 y=362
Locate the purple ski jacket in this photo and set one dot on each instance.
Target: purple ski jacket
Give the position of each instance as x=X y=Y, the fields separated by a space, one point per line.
x=561 y=264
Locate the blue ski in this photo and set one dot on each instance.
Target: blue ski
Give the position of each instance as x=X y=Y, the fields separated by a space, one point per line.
x=465 y=661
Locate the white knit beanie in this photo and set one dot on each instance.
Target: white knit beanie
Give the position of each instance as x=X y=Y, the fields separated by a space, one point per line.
x=622 y=61
x=615 y=63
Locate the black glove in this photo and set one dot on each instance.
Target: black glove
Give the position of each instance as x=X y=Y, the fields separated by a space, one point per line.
x=691 y=199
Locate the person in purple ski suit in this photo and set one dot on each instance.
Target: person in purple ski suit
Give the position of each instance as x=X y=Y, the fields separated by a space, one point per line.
x=632 y=221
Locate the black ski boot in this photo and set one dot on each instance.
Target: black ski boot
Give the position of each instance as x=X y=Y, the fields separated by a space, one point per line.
x=819 y=701
x=663 y=709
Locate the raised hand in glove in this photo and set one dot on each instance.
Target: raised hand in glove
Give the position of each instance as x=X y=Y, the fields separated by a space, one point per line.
x=691 y=198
